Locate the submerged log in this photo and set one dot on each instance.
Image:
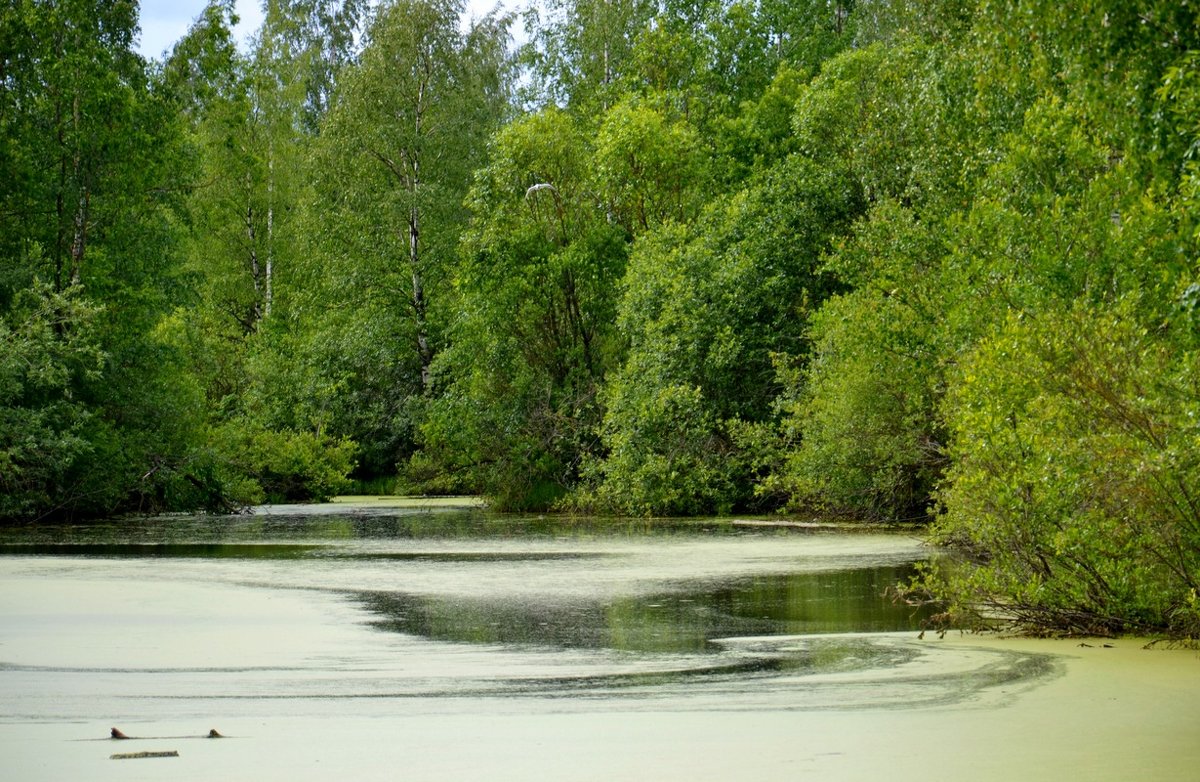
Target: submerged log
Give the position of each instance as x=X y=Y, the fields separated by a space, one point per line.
x=137 y=755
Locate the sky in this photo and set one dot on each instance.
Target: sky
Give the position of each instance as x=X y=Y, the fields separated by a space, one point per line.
x=165 y=21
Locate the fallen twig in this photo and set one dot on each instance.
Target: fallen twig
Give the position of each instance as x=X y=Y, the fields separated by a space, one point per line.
x=137 y=755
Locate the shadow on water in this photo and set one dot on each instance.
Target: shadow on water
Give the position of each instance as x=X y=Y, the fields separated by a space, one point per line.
x=840 y=672
x=685 y=619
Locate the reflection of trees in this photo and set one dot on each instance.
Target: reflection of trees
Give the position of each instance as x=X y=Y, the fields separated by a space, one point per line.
x=823 y=602
x=666 y=624
x=677 y=622
x=776 y=604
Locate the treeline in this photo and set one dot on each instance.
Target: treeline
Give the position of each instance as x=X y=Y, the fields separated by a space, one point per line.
x=886 y=259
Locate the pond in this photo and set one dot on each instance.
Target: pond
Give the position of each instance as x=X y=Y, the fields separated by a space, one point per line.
x=350 y=639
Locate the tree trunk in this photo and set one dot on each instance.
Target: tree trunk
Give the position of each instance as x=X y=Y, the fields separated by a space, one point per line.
x=424 y=349
x=250 y=321
x=79 y=237
x=268 y=293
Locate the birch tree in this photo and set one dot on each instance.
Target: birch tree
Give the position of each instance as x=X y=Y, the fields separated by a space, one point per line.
x=399 y=150
x=371 y=292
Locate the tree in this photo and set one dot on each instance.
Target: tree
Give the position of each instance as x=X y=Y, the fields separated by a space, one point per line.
x=579 y=51
x=230 y=211
x=46 y=347
x=389 y=172
x=71 y=80
x=860 y=417
x=247 y=129
x=649 y=168
x=94 y=173
x=708 y=310
x=304 y=45
x=1015 y=351
x=1073 y=486
x=623 y=159
x=534 y=338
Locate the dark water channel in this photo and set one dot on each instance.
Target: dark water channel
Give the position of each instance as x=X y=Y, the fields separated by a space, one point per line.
x=339 y=608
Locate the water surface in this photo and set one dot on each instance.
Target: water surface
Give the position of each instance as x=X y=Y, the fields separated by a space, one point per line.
x=325 y=610
x=331 y=615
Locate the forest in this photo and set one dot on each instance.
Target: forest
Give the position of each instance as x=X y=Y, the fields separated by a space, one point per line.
x=932 y=261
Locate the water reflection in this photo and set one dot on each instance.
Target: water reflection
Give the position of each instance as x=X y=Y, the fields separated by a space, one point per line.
x=371 y=524
x=161 y=550
x=685 y=619
x=474 y=577
x=454 y=604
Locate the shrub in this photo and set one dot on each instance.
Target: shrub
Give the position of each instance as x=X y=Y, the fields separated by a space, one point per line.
x=286 y=465
x=1076 y=462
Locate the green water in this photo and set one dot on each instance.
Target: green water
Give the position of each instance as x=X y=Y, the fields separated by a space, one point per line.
x=330 y=608
x=445 y=643
x=784 y=582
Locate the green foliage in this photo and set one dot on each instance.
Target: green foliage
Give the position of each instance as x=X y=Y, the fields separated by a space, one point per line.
x=93 y=167
x=876 y=110
x=343 y=378
x=945 y=21
x=371 y=298
x=535 y=335
x=1075 y=467
x=283 y=465
x=886 y=259
x=648 y=167
x=306 y=44
x=46 y=347
x=578 y=51
x=858 y=418
x=705 y=310
x=760 y=134
x=1018 y=334
x=866 y=423
x=863 y=407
